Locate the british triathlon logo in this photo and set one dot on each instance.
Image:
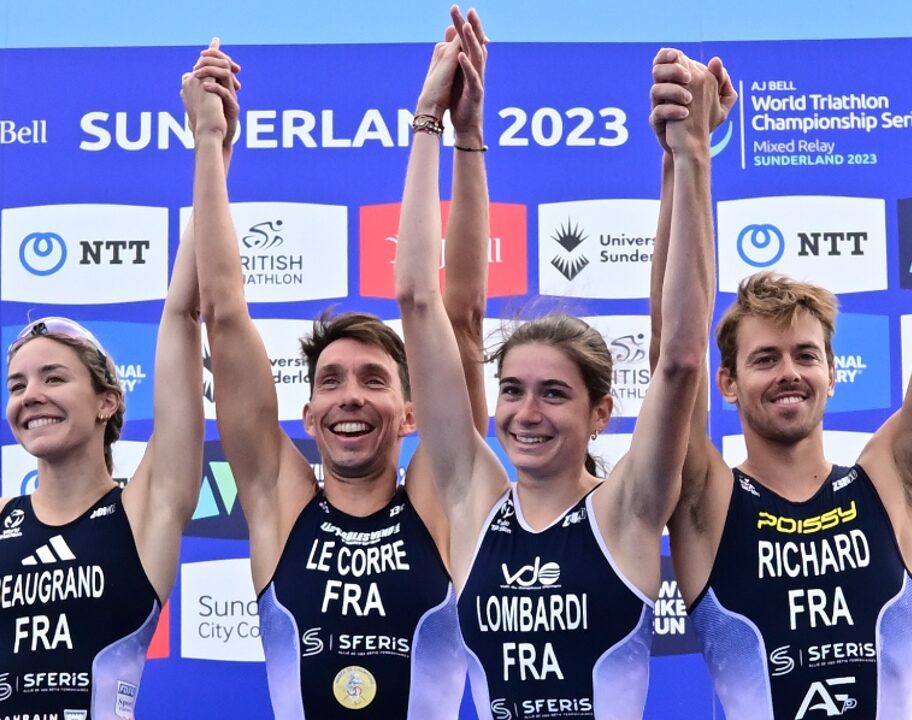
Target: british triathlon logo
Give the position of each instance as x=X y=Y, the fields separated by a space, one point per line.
x=42 y=253
x=569 y=263
x=264 y=235
x=629 y=348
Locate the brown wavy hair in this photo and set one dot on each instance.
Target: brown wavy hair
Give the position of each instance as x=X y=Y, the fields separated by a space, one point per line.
x=779 y=298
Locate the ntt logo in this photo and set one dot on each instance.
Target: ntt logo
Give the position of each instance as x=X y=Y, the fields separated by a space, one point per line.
x=42 y=253
x=29 y=483
x=760 y=245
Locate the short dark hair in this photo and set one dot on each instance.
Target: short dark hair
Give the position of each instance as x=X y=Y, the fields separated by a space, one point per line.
x=363 y=327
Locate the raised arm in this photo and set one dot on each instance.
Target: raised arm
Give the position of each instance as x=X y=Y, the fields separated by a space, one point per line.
x=162 y=494
x=466 y=262
x=468 y=475
x=468 y=230
x=649 y=476
x=273 y=480
x=670 y=98
x=887 y=459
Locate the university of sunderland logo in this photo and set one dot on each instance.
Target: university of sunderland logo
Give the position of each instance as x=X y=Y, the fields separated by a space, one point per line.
x=208 y=385
x=569 y=237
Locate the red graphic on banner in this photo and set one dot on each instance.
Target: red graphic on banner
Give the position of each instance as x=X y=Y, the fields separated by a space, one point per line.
x=379 y=226
x=160 y=647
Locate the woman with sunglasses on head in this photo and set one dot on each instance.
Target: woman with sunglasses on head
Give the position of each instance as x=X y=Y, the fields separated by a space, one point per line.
x=557 y=575
x=85 y=566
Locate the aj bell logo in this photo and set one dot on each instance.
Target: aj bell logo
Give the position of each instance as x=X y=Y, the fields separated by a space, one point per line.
x=44 y=253
x=264 y=235
x=537 y=573
x=569 y=238
x=717 y=147
x=825 y=696
x=763 y=245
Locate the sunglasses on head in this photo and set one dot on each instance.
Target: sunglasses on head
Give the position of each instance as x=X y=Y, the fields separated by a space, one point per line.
x=59 y=326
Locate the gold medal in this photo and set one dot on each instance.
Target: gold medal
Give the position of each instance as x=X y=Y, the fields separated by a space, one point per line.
x=354 y=687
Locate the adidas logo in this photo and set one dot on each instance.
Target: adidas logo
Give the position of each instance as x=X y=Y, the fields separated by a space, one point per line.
x=46 y=553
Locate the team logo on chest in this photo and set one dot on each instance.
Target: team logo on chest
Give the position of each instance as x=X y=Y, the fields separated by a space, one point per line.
x=12 y=525
x=536 y=573
x=354 y=687
x=502 y=520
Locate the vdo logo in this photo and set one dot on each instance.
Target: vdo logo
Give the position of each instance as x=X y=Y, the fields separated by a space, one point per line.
x=761 y=245
x=42 y=253
x=538 y=573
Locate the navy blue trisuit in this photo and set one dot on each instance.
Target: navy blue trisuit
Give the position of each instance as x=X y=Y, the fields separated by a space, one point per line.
x=808 y=608
x=359 y=619
x=552 y=627
x=77 y=614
